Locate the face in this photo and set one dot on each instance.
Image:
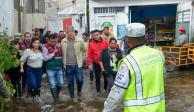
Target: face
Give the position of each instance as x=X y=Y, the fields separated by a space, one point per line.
x=70 y=34
x=180 y=32
x=36 y=44
x=84 y=35
x=53 y=42
x=113 y=44
x=17 y=47
x=46 y=39
x=106 y=30
x=28 y=37
x=61 y=33
x=96 y=36
x=128 y=42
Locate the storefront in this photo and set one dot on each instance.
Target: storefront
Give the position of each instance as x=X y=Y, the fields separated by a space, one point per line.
x=159 y=16
x=160 y=22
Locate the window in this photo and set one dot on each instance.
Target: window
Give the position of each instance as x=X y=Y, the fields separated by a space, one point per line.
x=108 y=9
x=183 y=16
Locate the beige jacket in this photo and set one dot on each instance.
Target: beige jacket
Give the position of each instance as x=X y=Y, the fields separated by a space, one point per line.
x=79 y=49
x=107 y=37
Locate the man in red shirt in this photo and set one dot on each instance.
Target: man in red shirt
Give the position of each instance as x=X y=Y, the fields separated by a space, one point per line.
x=95 y=46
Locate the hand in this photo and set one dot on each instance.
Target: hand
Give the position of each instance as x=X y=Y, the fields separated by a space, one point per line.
x=22 y=70
x=104 y=73
x=90 y=67
x=55 y=51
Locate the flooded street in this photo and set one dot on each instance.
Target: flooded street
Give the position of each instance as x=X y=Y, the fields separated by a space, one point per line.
x=180 y=91
x=179 y=96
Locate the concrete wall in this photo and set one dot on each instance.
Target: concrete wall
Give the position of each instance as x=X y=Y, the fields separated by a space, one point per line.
x=32 y=21
x=7 y=16
x=35 y=20
x=53 y=8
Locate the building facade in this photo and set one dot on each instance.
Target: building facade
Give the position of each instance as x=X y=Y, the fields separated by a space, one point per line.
x=29 y=14
x=7 y=16
x=60 y=13
x=161 y=24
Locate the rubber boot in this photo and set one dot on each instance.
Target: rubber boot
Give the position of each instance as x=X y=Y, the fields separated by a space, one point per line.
x=79 y=91
x=33 y=92
x=71 y=91
x=19 y=90
x=54 y=94
x=58 y=91
x=38 y=92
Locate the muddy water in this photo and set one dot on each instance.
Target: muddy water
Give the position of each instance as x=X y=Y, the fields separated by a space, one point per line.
x=179 y=94
x=180 y=91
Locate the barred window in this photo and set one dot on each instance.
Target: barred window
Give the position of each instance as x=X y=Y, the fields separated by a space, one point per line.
x=108 y=9
x=183 y=16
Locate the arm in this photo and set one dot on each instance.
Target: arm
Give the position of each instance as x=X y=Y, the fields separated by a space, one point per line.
x=182 y=40
x=23 y=59
x=46 y=55
x=101 y=59
x=89 y=56
x=101 y=66
x=114 y=97
x=118 y=90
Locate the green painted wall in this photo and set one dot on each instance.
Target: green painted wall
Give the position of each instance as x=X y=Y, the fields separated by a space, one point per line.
x=185 y=24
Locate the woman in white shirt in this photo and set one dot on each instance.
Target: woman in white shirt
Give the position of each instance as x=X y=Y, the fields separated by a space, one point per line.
x=33 y=58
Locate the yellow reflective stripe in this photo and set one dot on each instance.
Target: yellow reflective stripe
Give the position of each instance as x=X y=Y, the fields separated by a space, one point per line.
x=144 y=101
x=138 y=76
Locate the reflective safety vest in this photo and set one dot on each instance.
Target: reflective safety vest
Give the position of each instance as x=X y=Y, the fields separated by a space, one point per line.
x=145 y=92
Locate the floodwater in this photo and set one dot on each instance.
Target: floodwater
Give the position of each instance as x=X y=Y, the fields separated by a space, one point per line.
x=179 y=89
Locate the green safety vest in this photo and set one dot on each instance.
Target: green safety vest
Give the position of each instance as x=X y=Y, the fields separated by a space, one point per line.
x=145 y=92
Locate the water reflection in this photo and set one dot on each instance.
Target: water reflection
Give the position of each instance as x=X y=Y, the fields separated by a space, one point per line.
x=179 y=89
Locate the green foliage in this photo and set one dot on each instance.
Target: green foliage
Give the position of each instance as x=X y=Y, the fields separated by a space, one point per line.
x=6 y=54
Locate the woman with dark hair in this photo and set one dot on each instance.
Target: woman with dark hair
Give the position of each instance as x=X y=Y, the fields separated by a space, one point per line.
x=33 y=58
x=14 y=72
x=109 y=59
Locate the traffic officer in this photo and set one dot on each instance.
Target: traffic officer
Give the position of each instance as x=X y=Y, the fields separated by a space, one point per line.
x=140 y=78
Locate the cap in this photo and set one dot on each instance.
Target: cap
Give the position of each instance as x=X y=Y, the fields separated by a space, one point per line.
x=135 y=30
x=182 y=28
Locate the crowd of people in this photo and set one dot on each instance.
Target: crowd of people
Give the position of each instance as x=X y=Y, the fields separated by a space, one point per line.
x=63 y=55
x=137 y=77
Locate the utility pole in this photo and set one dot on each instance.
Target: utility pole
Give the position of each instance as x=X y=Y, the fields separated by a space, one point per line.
x=19 y=17
x=88 y=16
x=24 y=16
